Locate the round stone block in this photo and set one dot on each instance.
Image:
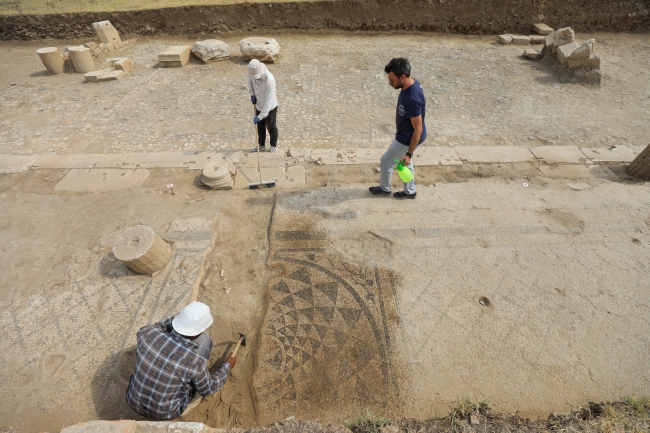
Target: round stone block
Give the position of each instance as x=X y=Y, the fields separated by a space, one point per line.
x=142 y=250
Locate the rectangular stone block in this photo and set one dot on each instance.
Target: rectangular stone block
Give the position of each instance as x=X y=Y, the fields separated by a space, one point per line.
x=106 y=32
x=101 y=180
x=123 y=64
x=177 y=55
x=585 y=49
x=189 y=160
x=559 y=37
x=16 y=163
x=494 y=154
x=593 y=61
x=564 y=52
x=122 y=426
x=67 y=161
x=542 y=29
x=111 y=75
x=435 y=155
x=559 y=154
x=520 y=40
x=505 y=39
x=536 y=39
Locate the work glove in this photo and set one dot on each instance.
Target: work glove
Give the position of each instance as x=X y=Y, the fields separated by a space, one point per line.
x=253 y=99
x=256 y=119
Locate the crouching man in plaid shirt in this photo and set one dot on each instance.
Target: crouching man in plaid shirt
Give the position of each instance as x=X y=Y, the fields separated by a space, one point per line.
x=171 y=366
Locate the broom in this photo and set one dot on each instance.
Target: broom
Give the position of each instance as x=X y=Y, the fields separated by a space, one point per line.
x=262 y=183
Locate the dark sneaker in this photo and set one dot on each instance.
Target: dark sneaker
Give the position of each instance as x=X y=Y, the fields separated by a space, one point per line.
x=402 y=194
x=262 y=149
x=376 y=190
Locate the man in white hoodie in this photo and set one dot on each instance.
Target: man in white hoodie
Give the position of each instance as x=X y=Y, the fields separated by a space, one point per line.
x=261 y=86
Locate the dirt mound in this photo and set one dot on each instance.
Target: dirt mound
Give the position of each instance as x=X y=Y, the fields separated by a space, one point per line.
x=453 y=16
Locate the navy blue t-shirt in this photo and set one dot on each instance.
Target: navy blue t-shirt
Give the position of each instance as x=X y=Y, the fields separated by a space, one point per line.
x=410 y=103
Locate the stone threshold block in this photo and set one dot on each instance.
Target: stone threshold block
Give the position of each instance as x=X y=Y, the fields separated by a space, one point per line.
x=566 y=172
x=109 y=160
x=494 y=154
x=190 y=160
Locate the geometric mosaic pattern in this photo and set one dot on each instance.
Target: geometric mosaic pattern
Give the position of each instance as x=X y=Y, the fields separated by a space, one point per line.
x=325 y=346
x=58 y=353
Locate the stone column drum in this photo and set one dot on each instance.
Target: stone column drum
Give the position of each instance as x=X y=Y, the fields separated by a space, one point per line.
x=142 y=250
x=52 y=59
x=81 y=59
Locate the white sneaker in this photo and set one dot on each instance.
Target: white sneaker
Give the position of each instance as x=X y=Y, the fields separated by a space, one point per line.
x=262 y=149
x=273 y=149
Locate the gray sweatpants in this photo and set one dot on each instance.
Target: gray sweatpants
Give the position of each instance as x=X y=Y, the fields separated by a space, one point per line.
x=396 y=151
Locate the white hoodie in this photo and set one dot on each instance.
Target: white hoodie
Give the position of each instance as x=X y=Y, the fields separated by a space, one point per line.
x=264 y=90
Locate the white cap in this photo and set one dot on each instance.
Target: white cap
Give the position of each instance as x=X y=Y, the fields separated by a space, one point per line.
x=194 y=319
x=256 y=69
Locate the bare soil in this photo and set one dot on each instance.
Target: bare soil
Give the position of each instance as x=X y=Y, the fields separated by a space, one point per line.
x=455 y=16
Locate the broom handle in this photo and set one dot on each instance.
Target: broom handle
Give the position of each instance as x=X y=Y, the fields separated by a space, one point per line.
x=259 y=168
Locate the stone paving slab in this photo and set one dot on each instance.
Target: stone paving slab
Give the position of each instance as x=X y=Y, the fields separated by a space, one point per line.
x=131 y=426
x=494 y=154
x=346 y=156
x=109 y=160
x=189 y=160
x=101 y=180
x=284 y=177
x=559 y=154
x=266 y=160
x=566 y=172
x=613 y=154
x=16 y=163
x=436 y=155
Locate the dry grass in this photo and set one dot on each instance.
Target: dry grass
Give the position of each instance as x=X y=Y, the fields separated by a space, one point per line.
x=37 y=7
x=631 y=415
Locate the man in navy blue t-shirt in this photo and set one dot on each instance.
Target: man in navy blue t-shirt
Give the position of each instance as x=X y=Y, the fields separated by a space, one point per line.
x=411 y=130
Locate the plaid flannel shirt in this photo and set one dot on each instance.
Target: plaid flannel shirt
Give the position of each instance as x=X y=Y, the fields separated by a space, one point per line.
x=168 y=373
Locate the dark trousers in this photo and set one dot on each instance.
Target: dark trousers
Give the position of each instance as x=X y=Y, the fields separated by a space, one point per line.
x=268 y=123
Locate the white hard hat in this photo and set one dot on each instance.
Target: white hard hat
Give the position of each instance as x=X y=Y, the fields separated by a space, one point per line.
x=194 y=319
x=256 y=69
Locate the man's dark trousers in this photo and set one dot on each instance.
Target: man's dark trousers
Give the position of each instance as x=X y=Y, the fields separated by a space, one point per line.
x=268 y=123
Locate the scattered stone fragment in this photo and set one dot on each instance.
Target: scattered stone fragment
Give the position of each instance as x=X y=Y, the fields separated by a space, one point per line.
x=174 y=56
x=559 y=37
x=106 y=32
x=563 y=36
x=520 y=40
x=263 y=49
x=210 y=50
x=536 y=39
x=52 y=59
x=542 y=29
x=564 y=52
x=90 y=45
x=103 y=75
x=505 y=39
x=584 y=49
x=123 y=64
x=532 y=53
x=593 y=61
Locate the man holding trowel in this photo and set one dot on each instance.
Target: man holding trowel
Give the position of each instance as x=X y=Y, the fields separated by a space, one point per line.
x=411 y=130
x=261 y=86
x=171 y=366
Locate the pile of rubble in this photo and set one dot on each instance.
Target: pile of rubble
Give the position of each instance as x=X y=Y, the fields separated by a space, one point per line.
x=81 y=58
x=574 y=62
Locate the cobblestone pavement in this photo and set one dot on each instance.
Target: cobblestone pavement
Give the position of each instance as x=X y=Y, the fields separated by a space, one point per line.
x=332 y=93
